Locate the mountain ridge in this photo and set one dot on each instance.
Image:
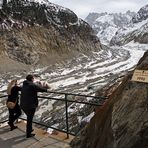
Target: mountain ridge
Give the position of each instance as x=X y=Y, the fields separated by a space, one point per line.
x=106 y=24
x=36 y=32
x=120 y=29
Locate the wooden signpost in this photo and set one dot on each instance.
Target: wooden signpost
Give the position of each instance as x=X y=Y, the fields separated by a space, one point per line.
x=140 y=76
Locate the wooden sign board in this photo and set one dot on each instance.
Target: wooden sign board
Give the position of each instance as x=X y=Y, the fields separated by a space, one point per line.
x=140 y=76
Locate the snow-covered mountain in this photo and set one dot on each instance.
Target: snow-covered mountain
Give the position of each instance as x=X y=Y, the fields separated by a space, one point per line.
x=120 y=29
x=137 y=32
x=141 y=15
x=107 y=24
x=38 y=34
x=41 y=33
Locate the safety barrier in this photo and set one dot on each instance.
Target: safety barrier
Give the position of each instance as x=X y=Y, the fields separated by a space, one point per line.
x=67 y=98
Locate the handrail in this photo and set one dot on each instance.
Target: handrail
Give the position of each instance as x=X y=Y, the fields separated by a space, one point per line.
x=66 y=100
x=87 y=103
x=64 y=93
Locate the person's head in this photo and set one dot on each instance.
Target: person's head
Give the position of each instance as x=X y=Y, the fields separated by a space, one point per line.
x=10 y=85
x=30 y=78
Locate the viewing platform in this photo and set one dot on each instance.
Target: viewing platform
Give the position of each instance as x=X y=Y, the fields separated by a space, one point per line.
x=65 y=118
x=42 y=139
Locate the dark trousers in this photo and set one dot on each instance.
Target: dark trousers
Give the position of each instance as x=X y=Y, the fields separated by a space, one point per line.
x=14 y=114
x=30 y=114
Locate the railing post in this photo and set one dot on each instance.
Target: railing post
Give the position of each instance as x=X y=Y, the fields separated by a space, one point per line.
x=66 y=107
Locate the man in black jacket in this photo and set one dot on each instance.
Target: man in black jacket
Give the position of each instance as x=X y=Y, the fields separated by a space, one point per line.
x=29 y=101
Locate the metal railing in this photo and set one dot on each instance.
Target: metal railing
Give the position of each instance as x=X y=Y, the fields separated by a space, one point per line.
x=98 y=102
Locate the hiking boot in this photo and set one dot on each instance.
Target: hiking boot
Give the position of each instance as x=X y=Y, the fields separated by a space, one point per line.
x=13 y=127
x=30 y=135
x=10 y=124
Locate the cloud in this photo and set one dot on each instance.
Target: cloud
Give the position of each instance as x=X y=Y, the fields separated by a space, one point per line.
x=83 y=7
x=117 y=6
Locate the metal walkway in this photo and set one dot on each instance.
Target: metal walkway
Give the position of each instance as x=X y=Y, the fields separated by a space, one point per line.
x=17 y=138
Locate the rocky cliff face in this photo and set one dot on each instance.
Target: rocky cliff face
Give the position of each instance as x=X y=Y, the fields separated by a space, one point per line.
x=137 y=32
x=142 y=36
x=34 y=33
x=120 y=28
x=123 y=120
x=141 y=15
x=107 y=24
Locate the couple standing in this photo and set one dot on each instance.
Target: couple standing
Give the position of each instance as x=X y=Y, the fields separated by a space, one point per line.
x=28 y=102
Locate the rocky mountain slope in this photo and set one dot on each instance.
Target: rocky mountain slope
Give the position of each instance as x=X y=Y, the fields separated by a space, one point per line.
x=33 y=33
x=137 y=32
x=120 y=29
x=107 y=24
x=141 y=15
x=123 y=120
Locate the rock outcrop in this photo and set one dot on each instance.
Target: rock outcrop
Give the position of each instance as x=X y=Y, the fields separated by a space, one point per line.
x=107 y=24
x=139 y=35
x=122 y=122
x=136 y=32
x=41 y=33
x=120 y=29
x=142 y=36
x=141 y=15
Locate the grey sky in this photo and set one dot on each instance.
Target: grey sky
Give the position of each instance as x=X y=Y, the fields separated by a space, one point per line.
x=83 y=7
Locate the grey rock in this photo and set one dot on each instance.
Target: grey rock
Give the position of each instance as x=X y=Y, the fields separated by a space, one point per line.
x=123 y=120
x=141 y=15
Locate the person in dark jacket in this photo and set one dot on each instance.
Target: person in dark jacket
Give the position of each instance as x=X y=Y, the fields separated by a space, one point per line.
x=29 y=101
x=13 y=92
